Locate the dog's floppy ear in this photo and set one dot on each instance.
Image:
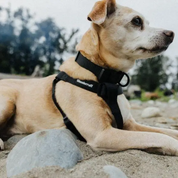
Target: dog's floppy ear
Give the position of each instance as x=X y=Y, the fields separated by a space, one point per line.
x=101 y=10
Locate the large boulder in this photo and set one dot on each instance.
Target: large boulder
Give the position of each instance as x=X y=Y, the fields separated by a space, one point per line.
x=44 y=148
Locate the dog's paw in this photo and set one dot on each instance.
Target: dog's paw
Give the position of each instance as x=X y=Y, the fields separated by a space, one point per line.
x=1 y=145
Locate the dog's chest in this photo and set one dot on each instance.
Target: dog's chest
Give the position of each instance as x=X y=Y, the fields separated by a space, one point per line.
x=124 y=107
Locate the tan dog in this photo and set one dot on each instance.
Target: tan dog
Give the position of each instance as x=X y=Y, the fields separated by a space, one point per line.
x=118 y=36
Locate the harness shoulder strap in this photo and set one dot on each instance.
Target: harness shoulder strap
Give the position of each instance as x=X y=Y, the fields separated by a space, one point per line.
x=66 y=120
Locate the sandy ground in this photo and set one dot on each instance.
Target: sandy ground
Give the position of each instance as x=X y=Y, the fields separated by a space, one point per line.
x=134 y=163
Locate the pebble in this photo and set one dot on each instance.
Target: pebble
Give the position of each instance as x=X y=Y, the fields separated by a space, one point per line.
x=171 y=101
x=151 y=102
x=138 y=102
x=151 y=112
x=114 y=172
x=174 y=104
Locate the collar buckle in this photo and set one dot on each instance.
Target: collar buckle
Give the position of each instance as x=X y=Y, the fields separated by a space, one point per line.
x=127 y=82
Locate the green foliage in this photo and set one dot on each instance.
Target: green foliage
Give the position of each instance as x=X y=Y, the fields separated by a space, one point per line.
x=143 y=98
x=151 y=73
x=24 y=44
x=161 y=96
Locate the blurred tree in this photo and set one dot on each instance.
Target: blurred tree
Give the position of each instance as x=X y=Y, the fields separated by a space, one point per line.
x=151 y=73
x=24 y=59
x=175 y=77
x=25 y=44
x=177 y=70
x=52 y=43
x=6 y=37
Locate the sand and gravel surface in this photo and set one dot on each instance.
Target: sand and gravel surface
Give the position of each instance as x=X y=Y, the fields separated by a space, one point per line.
x=134 y=163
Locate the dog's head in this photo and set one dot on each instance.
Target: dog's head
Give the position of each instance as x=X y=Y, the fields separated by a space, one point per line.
x=121 y=33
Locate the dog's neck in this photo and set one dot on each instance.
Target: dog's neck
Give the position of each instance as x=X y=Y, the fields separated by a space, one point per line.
x=91 y=47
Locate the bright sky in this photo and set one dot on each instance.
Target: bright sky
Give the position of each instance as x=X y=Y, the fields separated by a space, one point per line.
x=73 y=13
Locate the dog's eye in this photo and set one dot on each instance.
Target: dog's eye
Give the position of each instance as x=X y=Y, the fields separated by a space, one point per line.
x=137 y=21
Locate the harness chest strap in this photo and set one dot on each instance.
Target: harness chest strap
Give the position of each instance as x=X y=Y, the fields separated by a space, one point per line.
x=107 y=91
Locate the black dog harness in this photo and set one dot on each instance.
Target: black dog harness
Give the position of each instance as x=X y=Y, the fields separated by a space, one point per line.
x=108 y=88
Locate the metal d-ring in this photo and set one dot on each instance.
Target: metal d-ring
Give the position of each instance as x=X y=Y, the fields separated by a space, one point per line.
x=128 y=80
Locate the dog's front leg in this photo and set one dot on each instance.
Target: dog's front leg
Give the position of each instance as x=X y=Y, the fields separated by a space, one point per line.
x=134 y=136
x=132 y=125
x=112 y=139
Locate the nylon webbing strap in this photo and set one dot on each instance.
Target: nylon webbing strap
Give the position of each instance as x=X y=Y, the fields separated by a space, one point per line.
x=107 y=91
x=110 y=96
x=85 y=84
x=66 y=120
x=102 y=74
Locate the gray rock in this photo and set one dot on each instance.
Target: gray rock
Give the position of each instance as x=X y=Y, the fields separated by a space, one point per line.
x=174 y=105
x=171 y=101
x=132 y=89
x=161 y=105
x=151 y=102
x=114 y=172
x=138 y=102
x=44 y=148
x=151 y=112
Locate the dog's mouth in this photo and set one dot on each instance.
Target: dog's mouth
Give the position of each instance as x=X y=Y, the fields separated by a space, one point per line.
x=156 y=49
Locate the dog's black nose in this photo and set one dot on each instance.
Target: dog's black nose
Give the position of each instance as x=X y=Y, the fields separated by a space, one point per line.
x=169 y=35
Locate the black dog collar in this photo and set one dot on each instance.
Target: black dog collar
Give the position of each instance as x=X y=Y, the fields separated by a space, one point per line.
x=102 y=74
